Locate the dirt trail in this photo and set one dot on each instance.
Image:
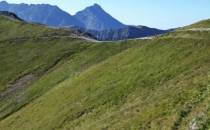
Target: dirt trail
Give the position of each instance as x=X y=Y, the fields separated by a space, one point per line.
x=73 y=36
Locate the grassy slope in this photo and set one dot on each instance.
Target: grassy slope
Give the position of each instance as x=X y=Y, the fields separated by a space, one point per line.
x=67 y=67
x=51 y=60
x=186 y=32
x=157 y=84
x=201 y=24
x=13 y=29
x=15 y=32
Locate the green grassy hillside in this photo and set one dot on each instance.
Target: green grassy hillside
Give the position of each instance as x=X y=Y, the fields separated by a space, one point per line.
x=198 y=30
x=201 y=24
x=33 y=65
x=59 y=83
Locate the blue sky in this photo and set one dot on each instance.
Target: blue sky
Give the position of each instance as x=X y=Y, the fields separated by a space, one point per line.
x=154 y=13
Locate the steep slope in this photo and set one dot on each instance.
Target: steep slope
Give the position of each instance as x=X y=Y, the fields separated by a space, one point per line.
x=95 y=18
x=16 y=34
x=41 y=13
x=162 y=83
x=35 y=58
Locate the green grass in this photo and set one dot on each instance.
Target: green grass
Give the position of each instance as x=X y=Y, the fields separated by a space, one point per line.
x=81 y=57
x=51 y=60
x=188 y=34
x=13 y=29
x=157 y=84
x=201 y=24
x=33 y=56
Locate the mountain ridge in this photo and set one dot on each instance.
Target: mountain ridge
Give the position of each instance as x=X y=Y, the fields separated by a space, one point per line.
x=11 y=15
x=93 y=20
x=41 y=13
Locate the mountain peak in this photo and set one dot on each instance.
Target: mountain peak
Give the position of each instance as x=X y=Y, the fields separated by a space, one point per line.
x=96 y=18
x=96 y=5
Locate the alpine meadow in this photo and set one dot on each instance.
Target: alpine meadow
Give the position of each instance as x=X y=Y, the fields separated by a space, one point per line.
x=64 y=78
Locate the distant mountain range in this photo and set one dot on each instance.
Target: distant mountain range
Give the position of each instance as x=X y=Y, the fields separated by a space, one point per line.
x=93 y=20
x=41 y=13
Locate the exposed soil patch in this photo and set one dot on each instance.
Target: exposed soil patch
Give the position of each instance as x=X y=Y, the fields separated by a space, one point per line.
x=17 y=86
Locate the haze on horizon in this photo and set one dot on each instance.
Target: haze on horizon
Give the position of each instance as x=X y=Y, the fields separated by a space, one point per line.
x=161 y=14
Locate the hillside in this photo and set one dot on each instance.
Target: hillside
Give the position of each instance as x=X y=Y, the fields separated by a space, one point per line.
x=32 y=51
x=69 y=83
x=198 y=30
x=201 y=24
